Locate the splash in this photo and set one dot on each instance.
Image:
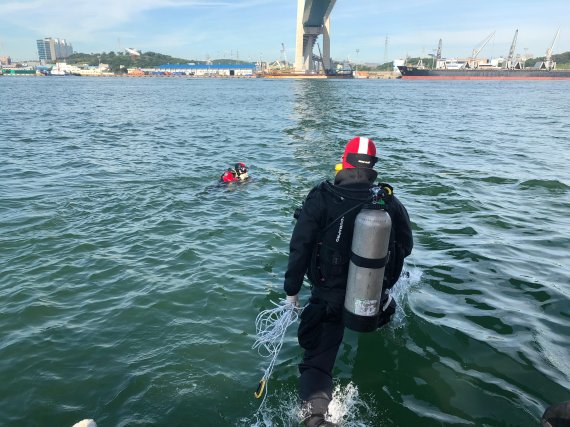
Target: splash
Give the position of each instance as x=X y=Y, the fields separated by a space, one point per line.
x=409 y=279
x=285 y=413
x=347 y=408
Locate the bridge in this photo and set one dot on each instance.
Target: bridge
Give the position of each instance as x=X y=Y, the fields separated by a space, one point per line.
x=313 y=20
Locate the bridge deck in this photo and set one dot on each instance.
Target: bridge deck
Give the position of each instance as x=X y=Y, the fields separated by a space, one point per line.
x=315 y=11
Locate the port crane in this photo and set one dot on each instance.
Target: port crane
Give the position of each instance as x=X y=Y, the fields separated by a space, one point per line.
x=473 y=63
x=511 y=56
x=549 y=64
x=438 y=53
x=284 y=54
x=484 y=43
x=320 y=59
x=436 y=57
x=282 y=63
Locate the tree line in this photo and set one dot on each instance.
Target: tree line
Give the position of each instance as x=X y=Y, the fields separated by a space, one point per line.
x=120 y=61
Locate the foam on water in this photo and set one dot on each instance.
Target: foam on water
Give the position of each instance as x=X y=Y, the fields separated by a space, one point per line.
x=409 y=279
x=279 y=409
x=557 y=355
x=347 y=408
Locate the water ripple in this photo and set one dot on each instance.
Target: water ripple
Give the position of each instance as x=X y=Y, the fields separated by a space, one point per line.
x=129 y=273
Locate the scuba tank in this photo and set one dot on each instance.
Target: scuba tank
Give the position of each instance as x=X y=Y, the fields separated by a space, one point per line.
x=370 y=243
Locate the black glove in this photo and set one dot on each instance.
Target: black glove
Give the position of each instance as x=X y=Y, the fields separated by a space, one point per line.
x=386 y=314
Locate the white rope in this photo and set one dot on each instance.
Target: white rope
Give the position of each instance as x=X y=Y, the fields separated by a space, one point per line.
x=271 y=325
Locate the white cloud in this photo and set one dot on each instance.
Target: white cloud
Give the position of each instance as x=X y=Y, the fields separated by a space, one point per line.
x=12 y=7
x=413 y=27
x=87 y=16
x=93 y=25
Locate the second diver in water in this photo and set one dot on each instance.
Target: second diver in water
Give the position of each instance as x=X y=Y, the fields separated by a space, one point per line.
x=237 y=173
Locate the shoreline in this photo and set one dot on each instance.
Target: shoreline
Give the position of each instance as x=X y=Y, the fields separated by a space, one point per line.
x=222 y=71
x=369 y=76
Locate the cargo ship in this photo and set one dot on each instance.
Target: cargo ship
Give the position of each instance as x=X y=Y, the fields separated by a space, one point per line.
x=482 y=74
x=473 y=68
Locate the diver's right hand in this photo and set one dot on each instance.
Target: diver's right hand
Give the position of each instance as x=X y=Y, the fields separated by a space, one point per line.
x=293 y=299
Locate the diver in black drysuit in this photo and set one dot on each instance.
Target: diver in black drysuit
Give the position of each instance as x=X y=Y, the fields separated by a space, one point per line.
x=320 y=247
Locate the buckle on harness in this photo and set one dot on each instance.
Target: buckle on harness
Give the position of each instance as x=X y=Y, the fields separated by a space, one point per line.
x=378 y=196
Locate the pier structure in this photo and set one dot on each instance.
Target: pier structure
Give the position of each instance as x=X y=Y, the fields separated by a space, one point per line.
x=313 y=20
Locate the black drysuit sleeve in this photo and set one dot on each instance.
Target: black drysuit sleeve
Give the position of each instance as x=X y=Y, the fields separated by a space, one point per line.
x=303 y=241
x=403 y=241
x=403 y=227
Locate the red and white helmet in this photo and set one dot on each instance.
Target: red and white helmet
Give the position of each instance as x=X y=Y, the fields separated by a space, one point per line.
x=360 y=152
x=240 y=168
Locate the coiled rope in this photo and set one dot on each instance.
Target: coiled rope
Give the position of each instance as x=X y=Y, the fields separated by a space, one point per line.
x=271 y=325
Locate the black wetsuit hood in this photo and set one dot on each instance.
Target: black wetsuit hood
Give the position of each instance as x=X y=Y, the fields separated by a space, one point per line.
x=355 y=176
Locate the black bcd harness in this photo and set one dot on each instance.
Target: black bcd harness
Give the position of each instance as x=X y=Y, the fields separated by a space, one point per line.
x=332 y=252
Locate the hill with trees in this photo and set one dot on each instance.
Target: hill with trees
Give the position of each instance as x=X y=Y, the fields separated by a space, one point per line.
x=562 y=61
x=120 y=61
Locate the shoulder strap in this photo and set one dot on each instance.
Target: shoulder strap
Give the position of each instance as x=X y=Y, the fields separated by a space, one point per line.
x=319 y=187
x=358 y=206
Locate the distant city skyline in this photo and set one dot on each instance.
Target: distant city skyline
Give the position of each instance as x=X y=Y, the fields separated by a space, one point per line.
x=51 y=49
x=255 y=29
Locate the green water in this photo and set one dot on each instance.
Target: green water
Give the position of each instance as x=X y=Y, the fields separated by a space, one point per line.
x=130 y=279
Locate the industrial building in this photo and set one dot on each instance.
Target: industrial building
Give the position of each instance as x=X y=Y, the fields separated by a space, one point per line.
x=51 y=50
x=222 y=70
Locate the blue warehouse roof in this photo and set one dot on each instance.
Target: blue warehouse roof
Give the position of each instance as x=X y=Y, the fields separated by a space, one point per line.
x=206 y=66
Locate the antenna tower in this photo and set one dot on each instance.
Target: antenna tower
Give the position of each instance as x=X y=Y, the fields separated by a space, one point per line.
x=386 y=43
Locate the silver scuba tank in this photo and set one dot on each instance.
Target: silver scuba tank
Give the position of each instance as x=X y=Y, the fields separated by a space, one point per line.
x=370 y=243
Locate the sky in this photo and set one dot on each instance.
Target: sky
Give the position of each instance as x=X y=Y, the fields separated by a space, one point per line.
x=255 y=29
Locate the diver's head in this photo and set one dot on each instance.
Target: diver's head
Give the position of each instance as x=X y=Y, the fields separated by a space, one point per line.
x=359 y=152
x=241 y=170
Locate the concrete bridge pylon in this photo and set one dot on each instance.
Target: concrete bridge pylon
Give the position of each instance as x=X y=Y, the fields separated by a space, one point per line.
x=313 y=20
